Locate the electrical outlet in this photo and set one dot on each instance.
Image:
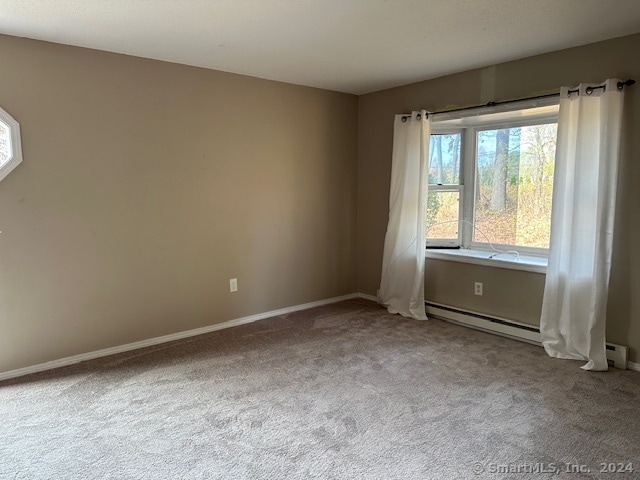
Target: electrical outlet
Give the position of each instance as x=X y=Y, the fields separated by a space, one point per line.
x=233 y=284
x=478 y=288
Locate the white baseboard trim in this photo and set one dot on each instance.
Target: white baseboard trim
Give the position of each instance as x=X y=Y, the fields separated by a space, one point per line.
x=63 y=362
x=633 y=366
x=368 y=297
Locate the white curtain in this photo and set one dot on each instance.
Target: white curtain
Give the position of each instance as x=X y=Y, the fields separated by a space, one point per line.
x=584 y=194
x=402 y=283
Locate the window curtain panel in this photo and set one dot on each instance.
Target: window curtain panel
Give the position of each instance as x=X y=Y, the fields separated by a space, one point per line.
x=402 y=282
x=574 y=305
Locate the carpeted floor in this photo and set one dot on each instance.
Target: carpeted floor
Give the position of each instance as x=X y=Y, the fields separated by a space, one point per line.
x=345 y=391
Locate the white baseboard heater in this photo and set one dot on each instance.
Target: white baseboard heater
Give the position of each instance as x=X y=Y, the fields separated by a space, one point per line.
x=616 y=354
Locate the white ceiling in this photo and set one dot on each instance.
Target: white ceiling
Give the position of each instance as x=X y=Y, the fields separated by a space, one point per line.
x=354 y=46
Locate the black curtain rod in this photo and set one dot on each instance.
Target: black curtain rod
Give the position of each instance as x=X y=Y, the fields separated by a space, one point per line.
x=589 y=90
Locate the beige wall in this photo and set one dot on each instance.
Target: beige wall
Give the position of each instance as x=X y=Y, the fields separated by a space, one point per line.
x=448 y=282
x=146 y=185
x=516 y=295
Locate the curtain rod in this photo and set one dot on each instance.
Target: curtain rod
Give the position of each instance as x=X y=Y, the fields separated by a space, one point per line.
x=589 y=90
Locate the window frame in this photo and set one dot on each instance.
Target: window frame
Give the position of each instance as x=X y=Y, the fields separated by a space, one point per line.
x=15 y=145
x=450 y=187
x=469 y=129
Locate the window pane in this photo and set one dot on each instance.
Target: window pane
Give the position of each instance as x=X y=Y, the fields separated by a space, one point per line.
x=4 y=143
x=442 y=214
x=514 y=185
x=444 y=159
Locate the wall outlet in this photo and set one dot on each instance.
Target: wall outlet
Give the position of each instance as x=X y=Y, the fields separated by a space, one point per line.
x=478 y=288
x=233 y=284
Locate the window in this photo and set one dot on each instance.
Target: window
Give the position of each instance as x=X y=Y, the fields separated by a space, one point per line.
x=491 y=180
x=10 y=148
x=445 y=189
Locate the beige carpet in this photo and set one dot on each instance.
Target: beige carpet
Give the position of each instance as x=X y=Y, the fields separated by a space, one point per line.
x=345 y=391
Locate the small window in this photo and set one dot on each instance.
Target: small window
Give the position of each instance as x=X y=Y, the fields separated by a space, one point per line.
x=445 y=189
x=491 y=180
x=10 y=147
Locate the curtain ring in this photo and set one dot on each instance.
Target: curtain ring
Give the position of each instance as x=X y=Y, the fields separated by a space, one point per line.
x=589 y=91
x=404 y=119
x=418 y=117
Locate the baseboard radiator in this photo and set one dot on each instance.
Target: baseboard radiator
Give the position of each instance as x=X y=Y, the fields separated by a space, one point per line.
x=616 y=354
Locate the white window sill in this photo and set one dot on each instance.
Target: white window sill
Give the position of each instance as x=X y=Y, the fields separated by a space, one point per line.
x=527 y=263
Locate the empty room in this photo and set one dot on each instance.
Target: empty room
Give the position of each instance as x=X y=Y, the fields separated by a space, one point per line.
x=339 y=239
